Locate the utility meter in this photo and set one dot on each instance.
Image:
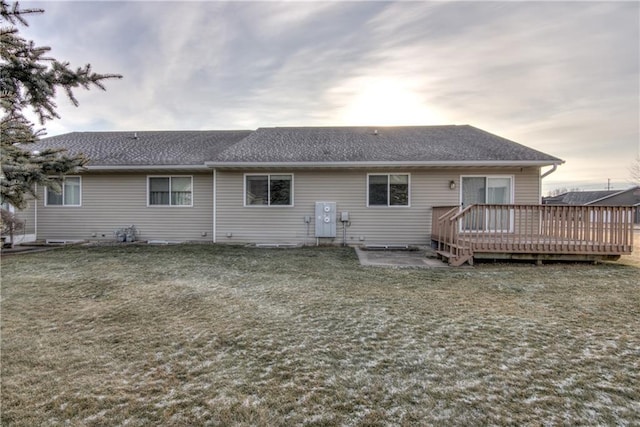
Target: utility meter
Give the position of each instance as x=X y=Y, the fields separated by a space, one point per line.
x=326 y=219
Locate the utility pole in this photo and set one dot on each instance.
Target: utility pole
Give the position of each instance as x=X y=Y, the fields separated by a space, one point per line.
x=608 y=184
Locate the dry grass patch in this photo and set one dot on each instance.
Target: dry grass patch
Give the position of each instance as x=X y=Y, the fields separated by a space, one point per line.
x=633 y=259
x=215 y=335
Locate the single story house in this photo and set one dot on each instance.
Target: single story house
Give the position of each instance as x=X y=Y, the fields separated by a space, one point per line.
x=281 y=185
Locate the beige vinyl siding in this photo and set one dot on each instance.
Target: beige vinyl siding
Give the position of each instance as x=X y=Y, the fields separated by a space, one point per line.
x=528 y=186
x=28 y=215
x=369 y=225
x=114 y=201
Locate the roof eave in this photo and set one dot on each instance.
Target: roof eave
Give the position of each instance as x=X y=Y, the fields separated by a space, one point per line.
x=325 y=165
x=124 y=168
x=384 y=164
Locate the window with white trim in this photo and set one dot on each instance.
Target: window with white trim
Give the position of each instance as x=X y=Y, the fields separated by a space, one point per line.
x=487 y=190
x=170 y=191
x=388 y=189
x=268 y=190
x=69 y=195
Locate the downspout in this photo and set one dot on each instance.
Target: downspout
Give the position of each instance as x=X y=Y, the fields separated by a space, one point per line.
x=215 y=204
x=554 y=167
x=35 y=214
x=549 y=172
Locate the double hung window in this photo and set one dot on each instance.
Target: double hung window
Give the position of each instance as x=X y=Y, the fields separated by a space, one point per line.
x=69 y=195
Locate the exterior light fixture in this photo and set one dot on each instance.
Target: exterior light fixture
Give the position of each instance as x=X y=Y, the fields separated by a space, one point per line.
x=452 y=184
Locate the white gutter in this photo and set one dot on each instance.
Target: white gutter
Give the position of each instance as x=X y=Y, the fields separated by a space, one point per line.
x=554 y=167
x=325 y=165
x=147 y=167
x=504 y=163
x=550 y=171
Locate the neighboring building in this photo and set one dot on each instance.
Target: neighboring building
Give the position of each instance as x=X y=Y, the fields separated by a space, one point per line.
x=628 y=197
x=577 y=197
x=299 y=185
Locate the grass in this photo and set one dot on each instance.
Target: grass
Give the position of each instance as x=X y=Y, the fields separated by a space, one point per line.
x=212 y=335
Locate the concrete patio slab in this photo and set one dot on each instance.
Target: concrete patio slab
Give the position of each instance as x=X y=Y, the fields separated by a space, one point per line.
x=399 y=258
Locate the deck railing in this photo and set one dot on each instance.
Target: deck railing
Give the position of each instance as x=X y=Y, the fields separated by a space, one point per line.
x=540 y=229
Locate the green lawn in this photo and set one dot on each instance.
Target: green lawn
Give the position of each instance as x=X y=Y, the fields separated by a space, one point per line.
x=215 y=335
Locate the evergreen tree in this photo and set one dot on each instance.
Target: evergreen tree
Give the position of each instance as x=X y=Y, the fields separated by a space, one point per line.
x=29 y=79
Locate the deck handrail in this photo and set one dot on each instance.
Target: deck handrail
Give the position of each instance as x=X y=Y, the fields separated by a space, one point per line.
x=524 y=228
x=461 y=212
x=450 y=212
x=444 y=231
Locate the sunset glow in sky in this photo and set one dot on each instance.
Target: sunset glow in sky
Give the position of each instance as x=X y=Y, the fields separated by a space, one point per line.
x=560 y=77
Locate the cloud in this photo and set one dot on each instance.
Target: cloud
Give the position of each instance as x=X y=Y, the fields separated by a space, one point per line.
x=552 y=76
x=561 y=77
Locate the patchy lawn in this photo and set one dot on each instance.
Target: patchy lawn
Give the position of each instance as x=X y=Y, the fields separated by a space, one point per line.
x=197 y=334
x=634 y=258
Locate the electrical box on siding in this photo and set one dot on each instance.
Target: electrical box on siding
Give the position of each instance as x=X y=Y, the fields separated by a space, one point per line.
x=325 y=219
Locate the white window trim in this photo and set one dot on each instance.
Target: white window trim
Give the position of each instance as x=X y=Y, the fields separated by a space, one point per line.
x=63 y=205
x=387 y=206
x=8 y=207
x=149 y=205
x=512 y=178
x=270 y=206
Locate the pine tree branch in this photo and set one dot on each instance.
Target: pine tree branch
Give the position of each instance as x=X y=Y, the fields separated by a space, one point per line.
x=29 y=79
x=14 y=14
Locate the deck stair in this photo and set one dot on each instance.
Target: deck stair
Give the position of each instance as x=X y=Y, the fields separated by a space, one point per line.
x=455 y=255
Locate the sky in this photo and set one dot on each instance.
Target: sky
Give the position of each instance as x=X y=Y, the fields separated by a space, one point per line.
x=559 y=77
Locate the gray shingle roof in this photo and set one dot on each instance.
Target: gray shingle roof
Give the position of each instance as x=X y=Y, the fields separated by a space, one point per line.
x=184 y=148
x=628 y=197
x=578 y=197
x=382 y=144
x=309 y=145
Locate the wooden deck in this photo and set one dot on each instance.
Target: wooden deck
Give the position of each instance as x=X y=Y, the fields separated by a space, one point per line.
x=536 y=232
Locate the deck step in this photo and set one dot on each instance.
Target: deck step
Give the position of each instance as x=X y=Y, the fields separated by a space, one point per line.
x=453 y=260
x=444 y=254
